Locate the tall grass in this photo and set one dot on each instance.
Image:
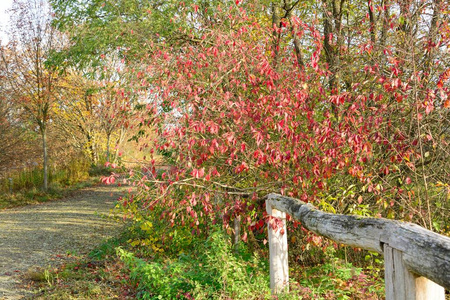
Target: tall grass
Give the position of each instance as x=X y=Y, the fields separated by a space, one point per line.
x=33 y=178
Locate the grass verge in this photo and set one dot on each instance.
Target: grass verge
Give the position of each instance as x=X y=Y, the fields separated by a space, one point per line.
x=141 y=265
x=35 y=195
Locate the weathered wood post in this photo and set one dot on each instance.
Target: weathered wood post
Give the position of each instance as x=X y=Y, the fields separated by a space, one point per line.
x=278 y=249
x=402 y=284
x=417 y=260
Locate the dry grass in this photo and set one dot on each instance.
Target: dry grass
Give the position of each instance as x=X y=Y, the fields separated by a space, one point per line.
x=83 y=279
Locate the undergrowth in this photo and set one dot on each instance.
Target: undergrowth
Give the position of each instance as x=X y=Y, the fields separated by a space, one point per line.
x=210 y=271
x=153 y=261
x=25 y=187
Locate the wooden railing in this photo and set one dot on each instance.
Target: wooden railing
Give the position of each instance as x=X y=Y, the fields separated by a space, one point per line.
x=416 y=260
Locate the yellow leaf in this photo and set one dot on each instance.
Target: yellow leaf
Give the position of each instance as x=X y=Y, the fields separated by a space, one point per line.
x=135 y=243
x=147 y=226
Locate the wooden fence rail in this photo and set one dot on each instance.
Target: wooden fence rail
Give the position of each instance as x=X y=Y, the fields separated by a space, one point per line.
x=417 y=261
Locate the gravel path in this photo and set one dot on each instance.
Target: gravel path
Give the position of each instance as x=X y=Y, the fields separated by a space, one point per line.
x=41 y=235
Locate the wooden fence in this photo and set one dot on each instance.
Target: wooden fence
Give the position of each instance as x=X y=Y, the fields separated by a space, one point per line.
x=416 y=260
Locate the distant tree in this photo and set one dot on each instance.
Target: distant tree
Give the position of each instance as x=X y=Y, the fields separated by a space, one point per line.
x=132 y=28
x=31 y=82
x=18 y=144
x=94 y=113
x=75 y=114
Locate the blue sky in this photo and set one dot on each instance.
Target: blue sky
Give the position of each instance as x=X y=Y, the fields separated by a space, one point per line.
x=4 y=18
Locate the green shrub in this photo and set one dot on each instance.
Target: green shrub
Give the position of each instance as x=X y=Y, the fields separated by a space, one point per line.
x=210 y=271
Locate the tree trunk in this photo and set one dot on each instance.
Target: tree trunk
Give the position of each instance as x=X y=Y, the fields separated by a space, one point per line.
x=45 y=157
x=373 y=25
x=108 y=140
x=332 y=31
x=91 y=149
x=118 y=143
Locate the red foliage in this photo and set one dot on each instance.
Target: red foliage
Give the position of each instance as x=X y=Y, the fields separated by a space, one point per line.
x=240 y=121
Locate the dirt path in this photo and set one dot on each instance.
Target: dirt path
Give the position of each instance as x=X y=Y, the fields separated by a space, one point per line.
x=41 y=235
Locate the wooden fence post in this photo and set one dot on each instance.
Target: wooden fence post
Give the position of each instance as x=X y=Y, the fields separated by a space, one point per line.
x=279 y=269
x=401 y=284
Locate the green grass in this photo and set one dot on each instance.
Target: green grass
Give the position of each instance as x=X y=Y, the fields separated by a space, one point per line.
x=211 y=270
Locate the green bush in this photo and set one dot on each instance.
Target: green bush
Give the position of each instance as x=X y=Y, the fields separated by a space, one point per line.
x=210 y=271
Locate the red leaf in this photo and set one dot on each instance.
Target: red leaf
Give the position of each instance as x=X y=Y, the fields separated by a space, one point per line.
x=244 y=237
x=198 y=173
x=109 y=179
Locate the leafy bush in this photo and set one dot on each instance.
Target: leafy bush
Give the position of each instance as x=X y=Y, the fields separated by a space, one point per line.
x=211 y=270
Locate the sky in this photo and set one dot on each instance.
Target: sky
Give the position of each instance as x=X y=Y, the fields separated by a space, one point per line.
x=4 y=18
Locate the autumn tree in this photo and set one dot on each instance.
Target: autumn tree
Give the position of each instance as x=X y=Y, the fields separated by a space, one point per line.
x=127 y=27
x=75 y=113
x=394 y=46
x=31 y=81
x=94 y=113
x=19 y=143
x=341 y=103
x=131 y=28
x=323 y=107
x=114 y=103
x=385 y=49
x=240 y=125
